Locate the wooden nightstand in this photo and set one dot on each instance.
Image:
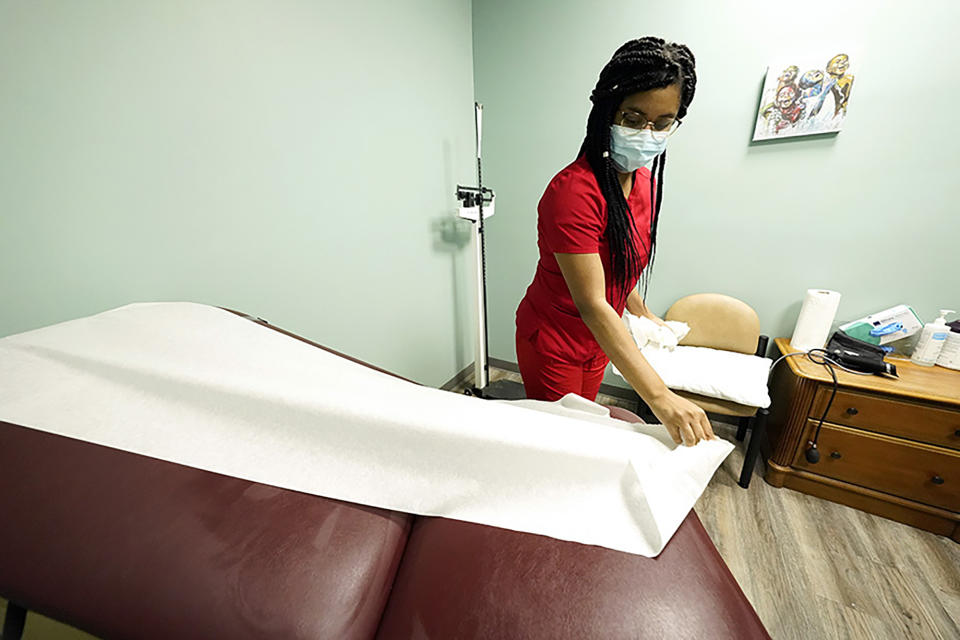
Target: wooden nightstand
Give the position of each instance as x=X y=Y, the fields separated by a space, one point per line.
x=889 y=447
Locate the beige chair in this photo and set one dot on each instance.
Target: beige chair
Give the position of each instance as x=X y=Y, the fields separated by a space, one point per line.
x=721 y=322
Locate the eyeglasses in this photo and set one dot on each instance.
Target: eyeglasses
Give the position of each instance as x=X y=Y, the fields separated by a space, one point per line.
x=660 y=128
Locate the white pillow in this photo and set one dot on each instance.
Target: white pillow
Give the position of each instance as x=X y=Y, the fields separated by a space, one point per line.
x=714 y=373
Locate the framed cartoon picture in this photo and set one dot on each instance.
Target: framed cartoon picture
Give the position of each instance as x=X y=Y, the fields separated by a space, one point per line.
x=805 y=96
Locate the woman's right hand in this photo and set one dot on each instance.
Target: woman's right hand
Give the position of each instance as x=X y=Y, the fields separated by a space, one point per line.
x=686 y=422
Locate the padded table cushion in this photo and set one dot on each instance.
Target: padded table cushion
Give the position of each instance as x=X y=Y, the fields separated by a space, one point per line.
x=133 y=547
x=126 y=546
x=461 y=580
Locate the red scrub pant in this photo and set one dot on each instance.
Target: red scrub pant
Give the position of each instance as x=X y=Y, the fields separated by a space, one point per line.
x=548 y=378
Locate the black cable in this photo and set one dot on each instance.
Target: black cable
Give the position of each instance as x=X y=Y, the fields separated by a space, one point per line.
x=824 y=354
x=822 y=358
x=812 y=454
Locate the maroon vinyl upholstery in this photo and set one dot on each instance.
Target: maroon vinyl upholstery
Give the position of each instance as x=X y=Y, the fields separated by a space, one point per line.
x=620 y=413
x=462 y=580
x=126 y=546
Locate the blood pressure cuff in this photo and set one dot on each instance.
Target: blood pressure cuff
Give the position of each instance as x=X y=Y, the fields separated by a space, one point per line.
x=858 y=355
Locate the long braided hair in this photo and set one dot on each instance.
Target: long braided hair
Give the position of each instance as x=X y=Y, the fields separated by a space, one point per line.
x=639 y=65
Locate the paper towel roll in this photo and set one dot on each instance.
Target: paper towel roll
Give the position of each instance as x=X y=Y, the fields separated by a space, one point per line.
x=816 y=317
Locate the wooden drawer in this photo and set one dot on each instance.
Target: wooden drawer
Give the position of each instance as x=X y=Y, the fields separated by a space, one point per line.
x=886 y=464
x=900 y=418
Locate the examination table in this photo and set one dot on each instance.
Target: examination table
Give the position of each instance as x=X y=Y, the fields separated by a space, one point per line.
x=127 y=546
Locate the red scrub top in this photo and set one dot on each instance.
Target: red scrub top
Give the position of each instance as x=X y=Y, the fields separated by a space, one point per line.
x=572 y=218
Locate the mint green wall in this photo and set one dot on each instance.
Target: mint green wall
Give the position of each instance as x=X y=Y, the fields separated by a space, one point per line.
x=296 y=160
x=871 y=212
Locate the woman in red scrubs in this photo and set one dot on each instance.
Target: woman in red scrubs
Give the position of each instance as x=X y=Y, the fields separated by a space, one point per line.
x=596 y=229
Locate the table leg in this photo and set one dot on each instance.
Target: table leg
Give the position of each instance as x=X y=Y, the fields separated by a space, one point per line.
x=13 y=622
x=753 y=446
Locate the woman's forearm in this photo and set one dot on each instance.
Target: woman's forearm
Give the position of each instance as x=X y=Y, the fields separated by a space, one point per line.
x=620 y=347
x=638 y=307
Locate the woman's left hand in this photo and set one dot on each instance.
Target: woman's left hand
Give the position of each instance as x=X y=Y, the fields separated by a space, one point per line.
x=657 y=320
x=685 y=422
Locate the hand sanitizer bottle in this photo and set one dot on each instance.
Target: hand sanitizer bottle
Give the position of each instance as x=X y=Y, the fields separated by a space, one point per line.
x=950 y=356
x=931 y=341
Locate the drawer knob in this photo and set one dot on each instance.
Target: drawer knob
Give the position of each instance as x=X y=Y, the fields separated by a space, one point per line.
x=835 y=455
x=957 y=433
x=852 y=411
x=937 y=480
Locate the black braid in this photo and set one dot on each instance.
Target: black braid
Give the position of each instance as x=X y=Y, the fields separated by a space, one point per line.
x=658 y=167
x=639 y=65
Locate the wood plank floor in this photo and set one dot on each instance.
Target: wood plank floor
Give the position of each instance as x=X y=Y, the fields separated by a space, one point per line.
x=816 y=570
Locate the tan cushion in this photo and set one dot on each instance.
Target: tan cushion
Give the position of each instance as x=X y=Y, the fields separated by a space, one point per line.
x=716 y=405
x=718 y=322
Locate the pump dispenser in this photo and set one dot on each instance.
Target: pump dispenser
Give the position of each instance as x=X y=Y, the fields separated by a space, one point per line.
x=931 y=341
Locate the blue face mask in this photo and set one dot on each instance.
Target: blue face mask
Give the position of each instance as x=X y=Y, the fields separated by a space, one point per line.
x=631 y=149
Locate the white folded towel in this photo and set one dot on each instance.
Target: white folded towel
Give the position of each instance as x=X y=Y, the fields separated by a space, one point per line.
x=645 y=331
